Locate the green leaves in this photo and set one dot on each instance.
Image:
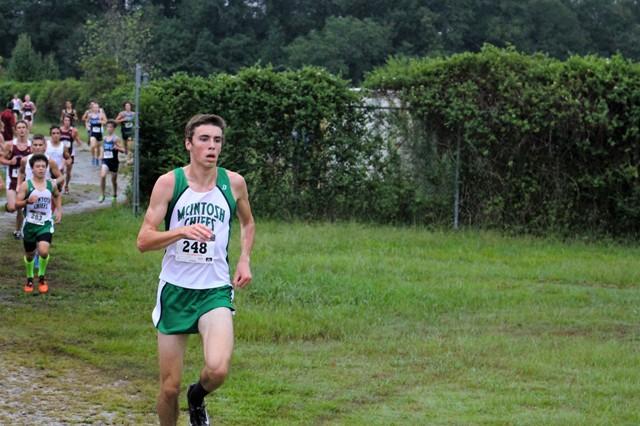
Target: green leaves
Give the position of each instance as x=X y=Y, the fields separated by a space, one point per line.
x=549 y=139
x=294 y=136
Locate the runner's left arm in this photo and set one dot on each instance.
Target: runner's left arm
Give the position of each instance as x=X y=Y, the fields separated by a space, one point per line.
x=76 y=137
x=55 y=172
x=242 y=275
x=119 y=145
x=22 y=173
x=57 y=199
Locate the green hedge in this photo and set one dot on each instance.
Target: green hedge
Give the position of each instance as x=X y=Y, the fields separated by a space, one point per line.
x=546 y=145
x=296 y=136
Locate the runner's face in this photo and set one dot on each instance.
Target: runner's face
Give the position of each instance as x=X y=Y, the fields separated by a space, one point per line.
x=66 y=122
x=55 y=135
x=206 y=144
x=38 y=146
x=39 y=169
x=110 y=129
x=21 y=130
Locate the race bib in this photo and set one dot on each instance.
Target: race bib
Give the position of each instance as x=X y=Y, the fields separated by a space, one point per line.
x=108 y=155
x=67 y=144
x=35 y=217
x=128 y=124
x=27 y=113
x=96 y=129
x=191 y=251
x=14 y=173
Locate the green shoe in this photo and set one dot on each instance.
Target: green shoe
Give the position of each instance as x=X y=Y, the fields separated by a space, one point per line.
x=101 y=199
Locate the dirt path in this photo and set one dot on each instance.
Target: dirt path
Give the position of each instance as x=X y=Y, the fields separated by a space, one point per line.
x=62 y=391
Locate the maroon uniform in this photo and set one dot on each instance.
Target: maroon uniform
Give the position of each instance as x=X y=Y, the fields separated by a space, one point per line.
x=15 y=169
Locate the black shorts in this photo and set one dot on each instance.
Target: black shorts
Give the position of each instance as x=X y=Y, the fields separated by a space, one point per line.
x=112 y=164
x=98 y=136
x=127 y=133
x=30 y=246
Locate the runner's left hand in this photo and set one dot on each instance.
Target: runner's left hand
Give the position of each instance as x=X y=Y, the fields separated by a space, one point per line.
x=242 y=276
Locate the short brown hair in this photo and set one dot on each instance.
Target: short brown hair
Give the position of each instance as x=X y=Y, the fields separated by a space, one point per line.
x=38 y=157
x=200 y=120
x=38 y=136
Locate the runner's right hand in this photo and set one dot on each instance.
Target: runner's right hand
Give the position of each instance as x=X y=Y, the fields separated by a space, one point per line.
x=197 y=232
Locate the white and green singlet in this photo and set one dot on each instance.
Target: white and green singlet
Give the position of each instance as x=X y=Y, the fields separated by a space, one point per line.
x=38 y=217
x=193 y=264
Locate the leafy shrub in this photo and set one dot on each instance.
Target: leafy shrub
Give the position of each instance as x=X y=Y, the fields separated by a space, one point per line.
x=545 y=144
x=296 y=136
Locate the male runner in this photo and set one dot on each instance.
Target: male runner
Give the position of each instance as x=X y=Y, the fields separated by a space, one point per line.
x=37 y=195
x=109 y=149
x=13 y=152
x=195 y=293
x=16 y=106
x=57 y=152
x=68 y=111
x=95 y=119
x=39 y=146
x=68 y=135
x=126 y=119
x=28 y=111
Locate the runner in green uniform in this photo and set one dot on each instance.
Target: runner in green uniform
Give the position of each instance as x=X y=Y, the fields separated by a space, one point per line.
x=195 y=295
x=37 y=196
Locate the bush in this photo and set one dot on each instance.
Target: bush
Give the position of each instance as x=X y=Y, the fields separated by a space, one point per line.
x=545 y=145
x=295 y=136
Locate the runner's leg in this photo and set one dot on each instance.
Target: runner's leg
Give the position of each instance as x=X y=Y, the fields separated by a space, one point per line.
x=216 y=329
x=171 y=348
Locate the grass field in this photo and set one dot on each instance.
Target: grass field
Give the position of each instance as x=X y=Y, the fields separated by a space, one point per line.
x=358 y=324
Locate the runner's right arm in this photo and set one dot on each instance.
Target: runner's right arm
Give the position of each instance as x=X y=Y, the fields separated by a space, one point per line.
x=7 y=157
x=21 y=200
x=149 y=238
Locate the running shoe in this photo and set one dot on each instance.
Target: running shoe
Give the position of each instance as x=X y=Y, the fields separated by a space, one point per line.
x=197 y=413
x=43 y=285
x=28 y=287
x=17 y=235
x=101 y=199
x=66 y=190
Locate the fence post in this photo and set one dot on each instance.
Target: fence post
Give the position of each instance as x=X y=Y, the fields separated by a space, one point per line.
x=136 y=146
x=456 y=189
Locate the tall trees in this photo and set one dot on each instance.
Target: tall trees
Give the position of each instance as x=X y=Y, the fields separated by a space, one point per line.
x=350 y=36
x=347 y=46
x=27 y=65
